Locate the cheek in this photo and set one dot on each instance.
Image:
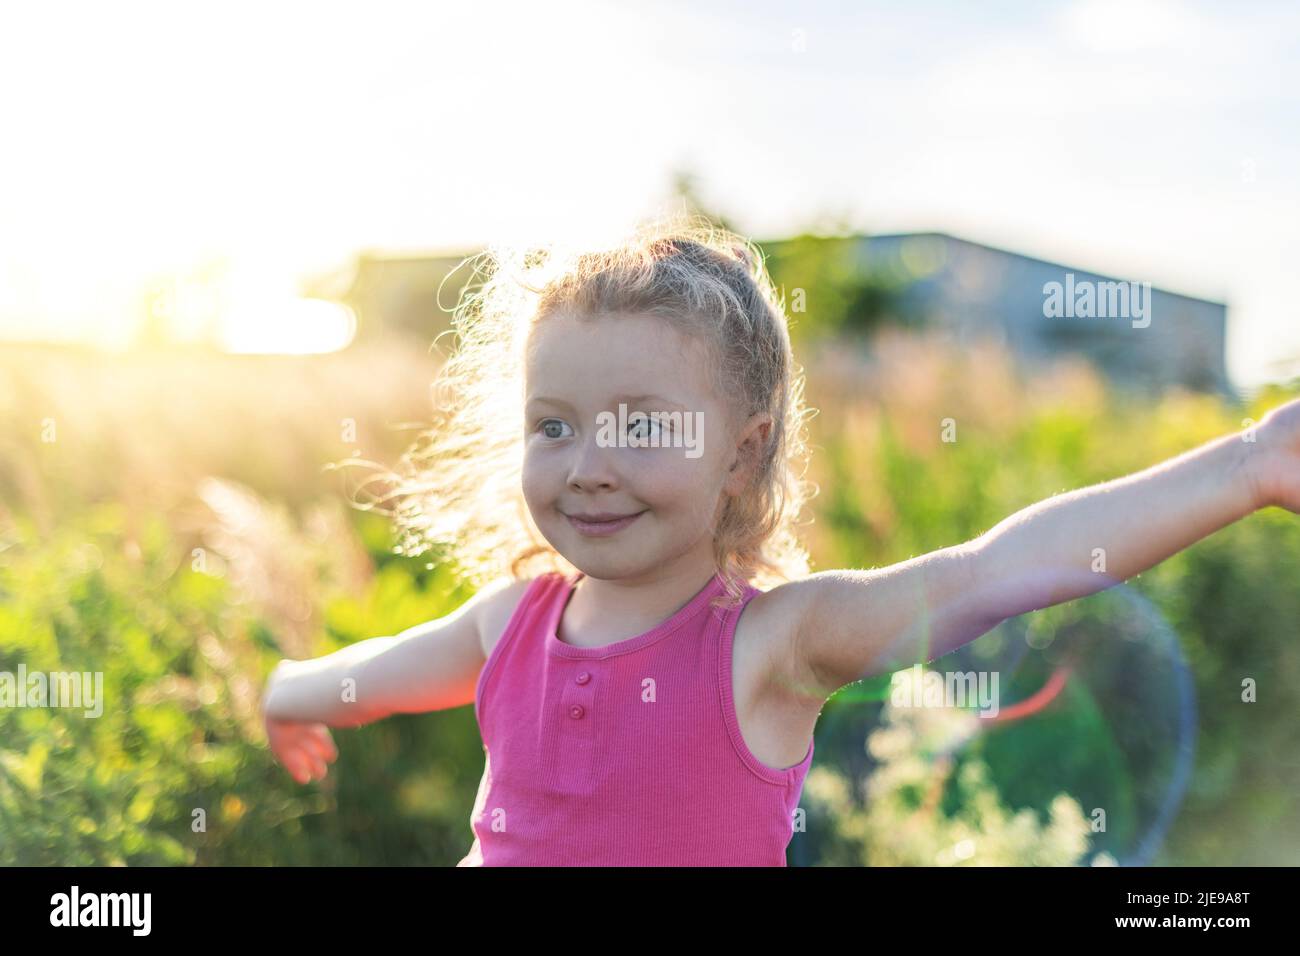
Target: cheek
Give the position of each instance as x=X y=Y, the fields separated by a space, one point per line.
x=679 y=484
x=538 y=486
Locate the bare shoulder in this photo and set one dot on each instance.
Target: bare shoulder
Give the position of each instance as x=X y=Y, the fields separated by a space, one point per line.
x=771 y=626
x=496 y=605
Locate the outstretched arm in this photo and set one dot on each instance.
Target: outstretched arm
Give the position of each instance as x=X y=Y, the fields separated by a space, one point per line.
x=431 y=666
x=855 y=624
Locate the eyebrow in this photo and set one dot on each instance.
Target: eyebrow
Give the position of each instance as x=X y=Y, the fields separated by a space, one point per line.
x=629 y=399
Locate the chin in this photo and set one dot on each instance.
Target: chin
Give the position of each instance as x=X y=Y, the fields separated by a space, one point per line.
x=607 y=567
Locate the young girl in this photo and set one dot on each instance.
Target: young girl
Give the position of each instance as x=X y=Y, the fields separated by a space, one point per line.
x=618 y=465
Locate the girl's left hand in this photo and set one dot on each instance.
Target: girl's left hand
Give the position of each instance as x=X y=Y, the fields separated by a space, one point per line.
x=1277 y=466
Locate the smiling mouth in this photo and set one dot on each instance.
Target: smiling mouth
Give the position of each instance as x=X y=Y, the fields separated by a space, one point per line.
x=602 y=524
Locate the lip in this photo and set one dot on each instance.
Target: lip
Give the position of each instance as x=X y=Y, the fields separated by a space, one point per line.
x=601 y=524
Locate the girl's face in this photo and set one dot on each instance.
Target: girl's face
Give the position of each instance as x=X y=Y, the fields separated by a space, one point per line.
x=580 y=458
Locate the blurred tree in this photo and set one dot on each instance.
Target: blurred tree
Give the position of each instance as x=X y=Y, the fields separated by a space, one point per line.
x=686 y=193
x=829 y=292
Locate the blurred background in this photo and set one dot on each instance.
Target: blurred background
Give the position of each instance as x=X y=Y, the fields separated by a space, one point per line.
x=229 y=235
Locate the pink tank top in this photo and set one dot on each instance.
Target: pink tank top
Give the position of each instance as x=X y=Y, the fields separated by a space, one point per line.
x=628 y=754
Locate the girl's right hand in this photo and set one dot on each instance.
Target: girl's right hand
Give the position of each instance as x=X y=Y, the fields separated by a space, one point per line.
x=303 y=747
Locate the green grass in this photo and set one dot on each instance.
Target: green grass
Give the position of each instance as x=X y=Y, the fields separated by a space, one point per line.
x=181 y=533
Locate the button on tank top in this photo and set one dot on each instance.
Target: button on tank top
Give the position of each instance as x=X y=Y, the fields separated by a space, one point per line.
x=628 y=754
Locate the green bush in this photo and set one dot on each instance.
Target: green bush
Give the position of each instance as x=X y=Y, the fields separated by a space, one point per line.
x=183 y=590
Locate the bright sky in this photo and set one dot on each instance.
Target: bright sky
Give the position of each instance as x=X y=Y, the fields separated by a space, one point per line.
x=156 y=143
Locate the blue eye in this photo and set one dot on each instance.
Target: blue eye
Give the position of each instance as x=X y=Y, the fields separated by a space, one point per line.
x=640 y=427
x=550 y=423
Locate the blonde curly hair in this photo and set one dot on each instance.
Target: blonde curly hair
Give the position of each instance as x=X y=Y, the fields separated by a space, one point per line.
x=459 y=488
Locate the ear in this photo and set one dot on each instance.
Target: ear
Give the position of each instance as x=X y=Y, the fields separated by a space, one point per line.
x=750 y=442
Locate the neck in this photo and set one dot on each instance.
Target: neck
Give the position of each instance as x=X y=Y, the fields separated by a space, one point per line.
x=613 y=609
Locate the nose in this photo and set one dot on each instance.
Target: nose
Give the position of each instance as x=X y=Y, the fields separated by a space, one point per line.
x=592 y=468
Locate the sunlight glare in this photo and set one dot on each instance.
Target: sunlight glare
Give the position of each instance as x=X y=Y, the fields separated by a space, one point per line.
x=298 y=326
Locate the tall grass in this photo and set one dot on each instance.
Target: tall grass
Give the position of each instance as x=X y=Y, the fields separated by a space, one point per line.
x=168 y=518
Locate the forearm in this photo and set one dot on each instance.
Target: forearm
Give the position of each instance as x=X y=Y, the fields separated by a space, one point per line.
x=315 y=690
x=1075 y=544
